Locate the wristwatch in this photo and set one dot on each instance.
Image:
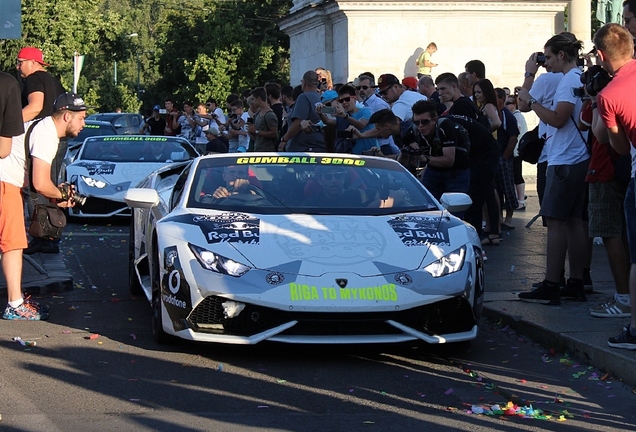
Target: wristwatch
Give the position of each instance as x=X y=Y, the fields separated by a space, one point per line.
x=528 y=75
x=256 y=133
x=531 y=101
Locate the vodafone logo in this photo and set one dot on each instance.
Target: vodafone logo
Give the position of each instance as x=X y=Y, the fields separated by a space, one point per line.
x=174 y=281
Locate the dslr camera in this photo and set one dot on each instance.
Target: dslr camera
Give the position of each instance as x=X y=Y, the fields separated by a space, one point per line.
x=540 y=58
x=594 y=80
x=68 y=192
x=345 y=134
x=407 y=149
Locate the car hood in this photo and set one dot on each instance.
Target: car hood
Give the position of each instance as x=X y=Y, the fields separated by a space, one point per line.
x=118 y=175
x=313 y=245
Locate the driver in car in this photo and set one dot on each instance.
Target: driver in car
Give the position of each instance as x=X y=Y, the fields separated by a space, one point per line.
x=236 y=179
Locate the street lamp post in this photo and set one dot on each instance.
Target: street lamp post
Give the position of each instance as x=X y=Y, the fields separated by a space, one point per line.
x=139 y=72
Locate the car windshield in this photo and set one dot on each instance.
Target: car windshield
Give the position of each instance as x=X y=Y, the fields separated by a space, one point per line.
x=307 y=184
x=136 y=149
x=90 y=130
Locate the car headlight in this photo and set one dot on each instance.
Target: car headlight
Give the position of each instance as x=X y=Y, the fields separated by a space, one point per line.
x=100 y=184
x=218 y=263
x=448 y=263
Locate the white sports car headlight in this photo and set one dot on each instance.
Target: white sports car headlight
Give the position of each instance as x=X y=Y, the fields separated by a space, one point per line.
x=447 y=264
x=100 y=184
x=218 y=263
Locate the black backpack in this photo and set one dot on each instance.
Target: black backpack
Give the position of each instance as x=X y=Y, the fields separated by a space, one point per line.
x=462 y=147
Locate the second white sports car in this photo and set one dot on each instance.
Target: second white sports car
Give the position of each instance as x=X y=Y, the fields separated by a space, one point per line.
x=106 y=166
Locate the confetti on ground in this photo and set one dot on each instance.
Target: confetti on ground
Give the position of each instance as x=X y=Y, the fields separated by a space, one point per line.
x=133 y=336
x=262 y=406
x=449 y=391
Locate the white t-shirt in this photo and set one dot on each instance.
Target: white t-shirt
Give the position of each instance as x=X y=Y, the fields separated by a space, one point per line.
x=402 y=107
x=543 y=90
x=44 y=141
x=567 y=145
x=12 y=167
x=219 y=114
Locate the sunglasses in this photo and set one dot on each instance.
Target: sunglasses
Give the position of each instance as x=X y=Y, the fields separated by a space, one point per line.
x=510 y=103
x=334 y=176
x=385 y=91
x=424 y=122
x=19 y=62
x=362 y=87
x=343 y=100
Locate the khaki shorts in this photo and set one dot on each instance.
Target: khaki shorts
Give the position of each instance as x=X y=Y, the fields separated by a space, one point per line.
x=12 y=228
x=605 y=209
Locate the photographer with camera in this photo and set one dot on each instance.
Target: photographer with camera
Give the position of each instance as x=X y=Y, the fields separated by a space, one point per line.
x=439 y=148
x=564 y=201
x=346 y=114
x=617 y=112
x=67 y=120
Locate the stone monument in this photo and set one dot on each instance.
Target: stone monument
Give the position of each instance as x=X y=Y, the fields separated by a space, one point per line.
x=348 y=37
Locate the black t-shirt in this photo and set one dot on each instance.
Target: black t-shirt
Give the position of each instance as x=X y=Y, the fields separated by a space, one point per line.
x=157 y=126
x=216 y=146
x=464 y=107
x=278 y=110
x=10 y=111
x=42 y=81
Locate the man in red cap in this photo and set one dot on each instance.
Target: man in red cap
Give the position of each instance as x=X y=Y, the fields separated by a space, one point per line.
x=38 y=95
x=410 y=83
x=40 y=87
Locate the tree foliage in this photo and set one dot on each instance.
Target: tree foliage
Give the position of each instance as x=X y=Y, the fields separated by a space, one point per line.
x=187 y=49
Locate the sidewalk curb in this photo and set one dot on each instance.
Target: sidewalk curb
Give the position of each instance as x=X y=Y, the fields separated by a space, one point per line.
x=618 y=363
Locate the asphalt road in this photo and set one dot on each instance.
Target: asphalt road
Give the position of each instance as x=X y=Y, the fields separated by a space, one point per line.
x=122 y=380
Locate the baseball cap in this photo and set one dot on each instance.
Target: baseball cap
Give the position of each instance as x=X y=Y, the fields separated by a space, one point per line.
x=156 y=108
x=69 y=101
x=328 y=96
x=387 y=80
x=213 y=130
x=32 y=53
x=410 y=82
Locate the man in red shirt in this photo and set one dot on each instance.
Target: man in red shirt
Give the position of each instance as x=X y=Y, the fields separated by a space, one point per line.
x=616 y=109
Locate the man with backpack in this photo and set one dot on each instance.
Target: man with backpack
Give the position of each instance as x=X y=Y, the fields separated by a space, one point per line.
x=442 y=148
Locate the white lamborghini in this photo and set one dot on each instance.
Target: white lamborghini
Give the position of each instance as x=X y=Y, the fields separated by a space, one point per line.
x=303 y=248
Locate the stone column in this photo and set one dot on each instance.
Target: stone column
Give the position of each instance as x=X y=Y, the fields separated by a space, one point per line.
x=580 y=21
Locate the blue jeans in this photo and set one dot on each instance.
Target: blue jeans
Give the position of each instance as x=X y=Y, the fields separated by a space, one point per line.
x=438 y=181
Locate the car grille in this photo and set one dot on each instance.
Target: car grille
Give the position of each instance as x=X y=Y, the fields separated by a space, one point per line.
x=99 y=206
x=448 y=316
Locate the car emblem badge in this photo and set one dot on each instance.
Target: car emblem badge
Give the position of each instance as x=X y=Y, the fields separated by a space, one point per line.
x=275 y=278
x=170 y=258
x=403 y=279
x=342 y=283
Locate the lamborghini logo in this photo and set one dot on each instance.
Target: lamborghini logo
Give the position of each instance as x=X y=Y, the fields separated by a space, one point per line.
x=342 y=283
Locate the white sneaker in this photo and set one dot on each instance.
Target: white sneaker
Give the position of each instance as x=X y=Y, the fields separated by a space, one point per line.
x=611 y=309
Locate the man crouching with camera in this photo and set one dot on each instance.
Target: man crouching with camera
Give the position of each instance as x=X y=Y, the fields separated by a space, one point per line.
x=617 y=110
x=436 y=147
x=67 y=120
